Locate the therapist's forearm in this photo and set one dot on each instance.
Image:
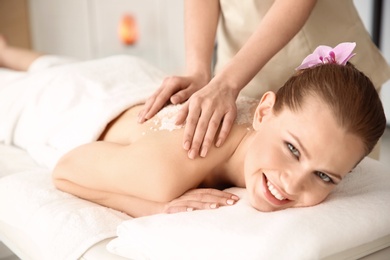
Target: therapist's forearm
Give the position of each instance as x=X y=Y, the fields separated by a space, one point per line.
x=281 y=23
x=201 y=20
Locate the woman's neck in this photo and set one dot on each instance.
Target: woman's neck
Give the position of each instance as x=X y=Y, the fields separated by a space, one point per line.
x=234 y=167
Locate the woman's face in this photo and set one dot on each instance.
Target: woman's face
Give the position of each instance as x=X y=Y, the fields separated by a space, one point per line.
x=297 y=158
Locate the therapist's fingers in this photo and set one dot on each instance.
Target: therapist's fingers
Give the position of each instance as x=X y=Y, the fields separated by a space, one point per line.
x=162 y=95
x=208 y=138
x=152 y=105
x=182 y=115
x=195 y=130
x=202 y=124
x=227 y=124
x=191 y=117
x=155 y=102
x=182 y=95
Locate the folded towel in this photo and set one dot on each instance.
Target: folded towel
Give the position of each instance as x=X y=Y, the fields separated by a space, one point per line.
x=60 y=225
x=357 y=212
x=51 y=111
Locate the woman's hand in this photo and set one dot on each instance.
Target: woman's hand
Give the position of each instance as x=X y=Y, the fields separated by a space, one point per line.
x=205 y=111
x=174 y=89
x=198 y=199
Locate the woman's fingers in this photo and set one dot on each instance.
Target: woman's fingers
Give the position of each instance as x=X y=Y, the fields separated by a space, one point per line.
x=199 y=199
x=190 y=206
x=208 y=194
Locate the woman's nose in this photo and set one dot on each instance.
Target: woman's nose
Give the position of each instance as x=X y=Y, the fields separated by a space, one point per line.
x=294 y=180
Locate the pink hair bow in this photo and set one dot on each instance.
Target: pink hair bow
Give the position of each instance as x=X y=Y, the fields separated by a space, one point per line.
x=340 y=54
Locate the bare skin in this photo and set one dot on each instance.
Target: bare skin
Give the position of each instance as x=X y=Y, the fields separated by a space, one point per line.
x=140 y=172
x=166 y=185
x=15 y=58
x=210 y=109
x=117 y=135
x=289 y=159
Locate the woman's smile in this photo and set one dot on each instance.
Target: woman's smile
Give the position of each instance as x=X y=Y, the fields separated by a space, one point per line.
x=292 y=156
x=272 y=193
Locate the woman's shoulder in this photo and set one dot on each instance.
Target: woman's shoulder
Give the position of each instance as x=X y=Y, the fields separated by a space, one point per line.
x=245 y=109
x=166 y=118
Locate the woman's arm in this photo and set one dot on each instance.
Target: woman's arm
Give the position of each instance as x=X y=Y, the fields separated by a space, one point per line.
x=139 y=179
x=130 y=205
x=143 y=169
x=281 y=23
x=196 y=199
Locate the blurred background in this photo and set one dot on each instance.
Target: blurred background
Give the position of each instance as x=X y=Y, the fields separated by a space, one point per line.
x=88 y=29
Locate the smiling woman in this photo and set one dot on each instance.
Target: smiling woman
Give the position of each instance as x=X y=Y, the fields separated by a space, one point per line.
x=304 y=155
x=293 y=148
x=303 y=140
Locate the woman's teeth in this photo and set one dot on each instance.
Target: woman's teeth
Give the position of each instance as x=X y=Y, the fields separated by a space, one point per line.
x=274 y=191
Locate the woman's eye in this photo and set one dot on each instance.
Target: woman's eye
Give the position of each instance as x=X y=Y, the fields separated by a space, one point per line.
x=293 y=150
x=324 y=177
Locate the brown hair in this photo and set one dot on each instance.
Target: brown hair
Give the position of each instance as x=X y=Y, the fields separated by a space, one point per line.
x=349 y=93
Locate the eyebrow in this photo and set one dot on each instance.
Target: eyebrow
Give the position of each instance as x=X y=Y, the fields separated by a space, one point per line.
x=303 y=149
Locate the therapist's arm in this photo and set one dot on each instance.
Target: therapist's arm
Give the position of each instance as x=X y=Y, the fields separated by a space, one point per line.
x=201 y=20
x=213 y=106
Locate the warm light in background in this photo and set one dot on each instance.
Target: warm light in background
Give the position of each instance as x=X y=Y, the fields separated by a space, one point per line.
x=128 y=31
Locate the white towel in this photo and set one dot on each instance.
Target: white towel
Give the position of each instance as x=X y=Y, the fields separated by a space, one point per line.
x=59 y=225
x=356 y=213
x=63 y=227
x=51 y=111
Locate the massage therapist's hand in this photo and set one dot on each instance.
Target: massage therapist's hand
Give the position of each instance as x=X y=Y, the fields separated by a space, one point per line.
x=206 y=110
x=174 y=89
x=198 y=199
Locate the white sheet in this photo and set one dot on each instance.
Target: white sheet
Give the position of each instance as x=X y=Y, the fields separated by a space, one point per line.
x=60 y=225
x=51 y=111
x=355 y=214
x=64 y=227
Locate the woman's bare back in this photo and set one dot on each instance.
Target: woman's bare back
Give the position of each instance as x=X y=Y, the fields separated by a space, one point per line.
x=125 y=129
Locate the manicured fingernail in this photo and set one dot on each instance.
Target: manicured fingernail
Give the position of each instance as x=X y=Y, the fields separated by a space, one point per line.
x=230 y=202
x=203 y=153
x=186 y=145
x=140 y=118
x=174 y=100
x=219 y=142
x=192 y=154
x=190 y=209
x=234 y=197
x=213 y=206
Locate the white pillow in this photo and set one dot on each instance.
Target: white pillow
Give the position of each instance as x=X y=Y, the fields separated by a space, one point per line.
x=356 y=213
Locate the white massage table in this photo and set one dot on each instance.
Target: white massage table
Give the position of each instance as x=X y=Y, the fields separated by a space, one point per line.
x=39 y=222
x=25 y=229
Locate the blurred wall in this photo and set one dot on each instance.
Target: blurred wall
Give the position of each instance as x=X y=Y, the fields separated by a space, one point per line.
x=365 y=9
x=14 y=22
x=88 y=29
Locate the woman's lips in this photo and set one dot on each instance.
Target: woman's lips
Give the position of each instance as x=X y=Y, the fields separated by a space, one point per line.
x=272 y=194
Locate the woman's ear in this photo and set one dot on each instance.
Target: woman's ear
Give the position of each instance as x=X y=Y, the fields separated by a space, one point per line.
x=264 y=109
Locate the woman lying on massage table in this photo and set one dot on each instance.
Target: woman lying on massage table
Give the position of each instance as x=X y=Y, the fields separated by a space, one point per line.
x=301 y=142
